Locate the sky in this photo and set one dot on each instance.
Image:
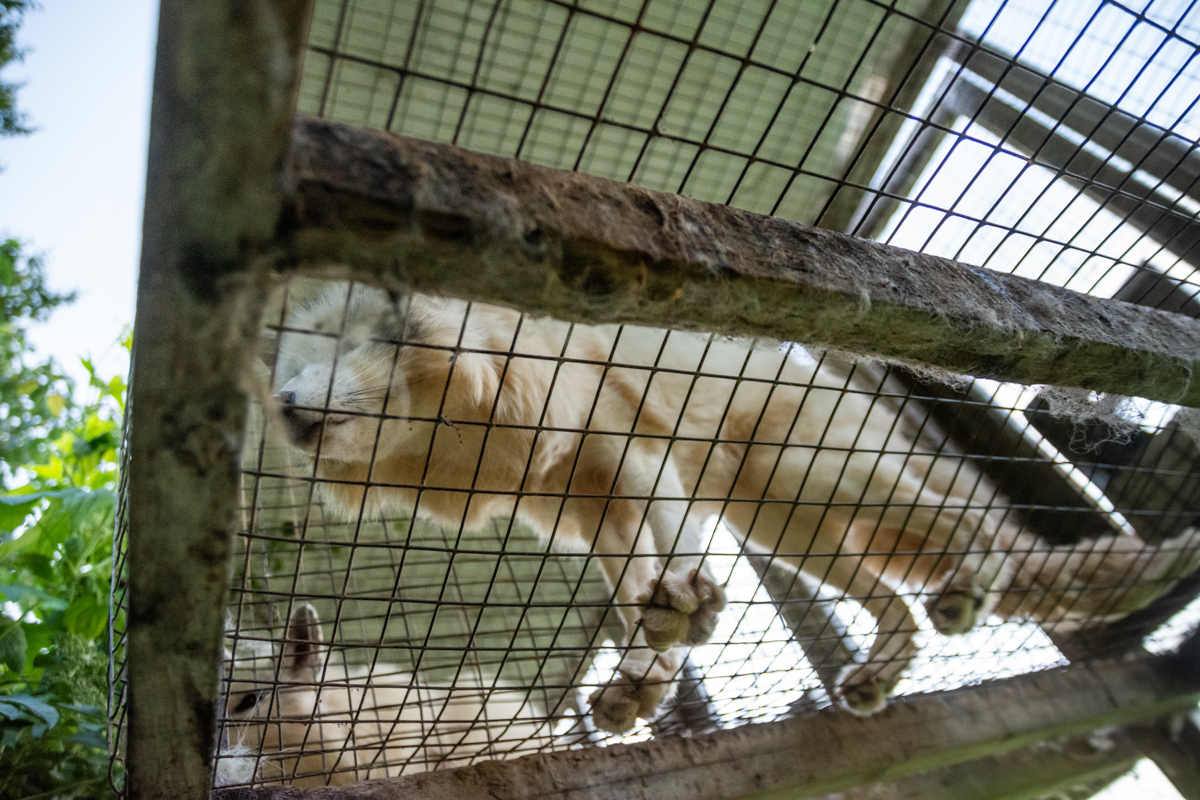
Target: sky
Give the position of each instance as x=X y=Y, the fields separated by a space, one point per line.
x=73 y=190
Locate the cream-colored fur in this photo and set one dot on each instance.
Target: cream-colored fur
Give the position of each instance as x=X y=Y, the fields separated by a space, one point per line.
x=620 y=440
x=309 y=721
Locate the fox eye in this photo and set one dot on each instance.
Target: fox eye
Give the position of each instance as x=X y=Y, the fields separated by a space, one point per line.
x=247 y=703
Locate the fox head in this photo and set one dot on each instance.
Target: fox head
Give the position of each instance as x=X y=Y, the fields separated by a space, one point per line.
x=362 y=375
x=339 y=373
x=275 y=709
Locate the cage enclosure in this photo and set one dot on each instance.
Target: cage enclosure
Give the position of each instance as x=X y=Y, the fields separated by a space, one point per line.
x=676 y=398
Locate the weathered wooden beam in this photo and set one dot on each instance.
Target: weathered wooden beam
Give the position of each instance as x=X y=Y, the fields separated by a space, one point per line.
x=1160 y=492
x=814 y=754
x=1127 y=634
x=1033 y=772
x=1174 y=747
x=439 y=219
x=225 y=79
x=1045 y=500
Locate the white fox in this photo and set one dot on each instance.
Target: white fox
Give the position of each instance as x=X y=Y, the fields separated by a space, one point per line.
x=623 y=439
x=307 y=721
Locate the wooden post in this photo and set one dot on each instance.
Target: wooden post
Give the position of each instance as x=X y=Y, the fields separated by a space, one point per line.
x=1174 y=746
x=1048 y=769
x=225 y=79
x=435 y=218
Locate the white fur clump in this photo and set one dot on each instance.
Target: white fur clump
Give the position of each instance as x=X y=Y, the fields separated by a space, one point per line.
x=236 y=766
x=1116 y=411
x=923 y=372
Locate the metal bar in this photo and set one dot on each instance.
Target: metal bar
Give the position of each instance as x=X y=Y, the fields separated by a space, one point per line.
x=817 y=753
x=435 y=218
x=1027 y=774
x=1165 y=155
x=225 y=79
x=1102 y=179
x=814 y=626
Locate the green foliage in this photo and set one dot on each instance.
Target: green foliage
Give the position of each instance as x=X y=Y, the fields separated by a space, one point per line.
x=12 y=121
x=32 y=392
x=55 y=531
x=55 y=567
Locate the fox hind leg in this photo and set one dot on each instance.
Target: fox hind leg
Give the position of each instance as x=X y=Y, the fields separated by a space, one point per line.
x=864 y=688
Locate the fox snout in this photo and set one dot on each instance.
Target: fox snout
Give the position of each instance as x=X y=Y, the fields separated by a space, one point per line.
x=303 y=425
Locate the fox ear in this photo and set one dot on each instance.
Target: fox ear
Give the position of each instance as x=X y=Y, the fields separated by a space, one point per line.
x=304 y=639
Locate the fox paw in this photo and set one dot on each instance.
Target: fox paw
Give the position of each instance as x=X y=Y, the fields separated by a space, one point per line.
x=863 y=691
x=617 y=706
x=956 y=610
x=681 y=610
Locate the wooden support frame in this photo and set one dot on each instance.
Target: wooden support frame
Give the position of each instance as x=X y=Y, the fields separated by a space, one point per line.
x=226 y=73
x=1168 y=158
x=436 y=218
x=1047 y=769
x=1174 y=746
x=814 y=754
x=907 y=77
x=225 y=207
x=1162 y=153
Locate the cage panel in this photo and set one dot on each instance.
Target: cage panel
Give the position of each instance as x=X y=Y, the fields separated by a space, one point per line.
x=569 y=452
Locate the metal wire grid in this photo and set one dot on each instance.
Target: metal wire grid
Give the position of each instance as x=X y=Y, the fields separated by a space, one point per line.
x=781 y=108
x=777 y=108
x=116 y=625
x=490 y=619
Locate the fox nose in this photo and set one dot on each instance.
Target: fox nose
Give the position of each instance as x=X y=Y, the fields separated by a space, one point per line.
x=303 y=427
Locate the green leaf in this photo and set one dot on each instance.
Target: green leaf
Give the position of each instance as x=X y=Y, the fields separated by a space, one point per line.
x=36 y=707
x=17 y=592
x=12 y=646
x=86 y=617
x=15 y=509
x=94 y=739
x=38 y=564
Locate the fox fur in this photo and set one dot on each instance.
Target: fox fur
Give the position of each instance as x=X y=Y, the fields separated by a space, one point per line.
x=621 y=440
x=303 y=720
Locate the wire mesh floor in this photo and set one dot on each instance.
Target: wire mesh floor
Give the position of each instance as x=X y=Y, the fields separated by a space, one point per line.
x=365 y=641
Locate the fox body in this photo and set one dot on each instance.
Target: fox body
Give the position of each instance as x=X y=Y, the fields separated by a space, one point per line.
x=621 y=439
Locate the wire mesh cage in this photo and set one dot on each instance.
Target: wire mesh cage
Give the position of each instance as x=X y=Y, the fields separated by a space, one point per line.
x=470 y=533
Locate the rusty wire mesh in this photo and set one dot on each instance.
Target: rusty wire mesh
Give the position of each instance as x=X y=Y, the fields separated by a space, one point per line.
x=1055 y=141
